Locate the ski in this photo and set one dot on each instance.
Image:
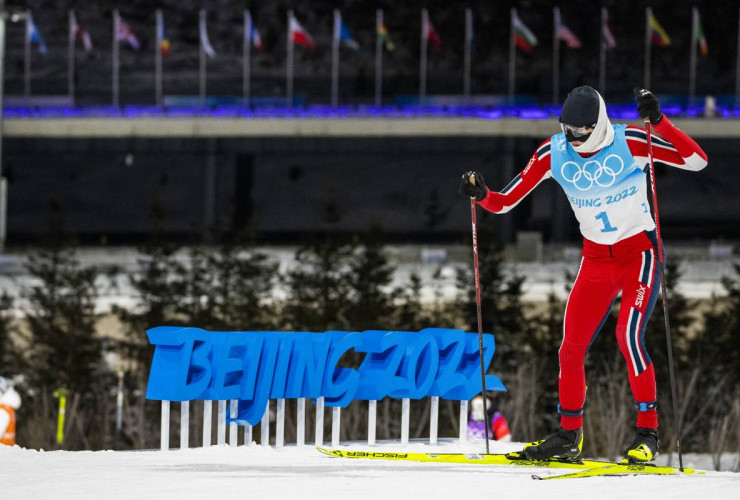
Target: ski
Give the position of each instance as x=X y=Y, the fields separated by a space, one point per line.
x=466 y=458
x=622 y=470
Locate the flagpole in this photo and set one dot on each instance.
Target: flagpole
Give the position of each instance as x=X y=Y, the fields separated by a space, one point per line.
x=158 y=97
x=737 y=62
x=335 y=60
x=378 y=58
x=203 y=68
x=555 y=56
x=247 y=57
x=512 y=57
x=289 y=64
x=71 y=57
x=602 y=54
x=468 y=51
x=648 y=16
x=116 y=22
x=27 y=58
x=423 y=58
x=692 y=56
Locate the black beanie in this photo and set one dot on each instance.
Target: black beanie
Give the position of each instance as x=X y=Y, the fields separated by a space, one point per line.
x=581 y=107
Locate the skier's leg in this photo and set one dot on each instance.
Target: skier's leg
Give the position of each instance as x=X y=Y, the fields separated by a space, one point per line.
x=586 y=311
x=588 y=306
x=640 y=291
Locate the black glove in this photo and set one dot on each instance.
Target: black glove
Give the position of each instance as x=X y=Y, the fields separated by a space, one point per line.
x=647 y=105
x=477 y=190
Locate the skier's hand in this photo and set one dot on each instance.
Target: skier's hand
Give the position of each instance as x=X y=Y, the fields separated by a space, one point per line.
x=476 y=189
x=647 y=105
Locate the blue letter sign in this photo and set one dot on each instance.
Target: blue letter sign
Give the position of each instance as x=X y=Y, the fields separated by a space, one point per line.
x=252 y=367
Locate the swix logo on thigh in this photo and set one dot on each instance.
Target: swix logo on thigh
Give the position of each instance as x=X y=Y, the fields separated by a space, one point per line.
x=641 y=289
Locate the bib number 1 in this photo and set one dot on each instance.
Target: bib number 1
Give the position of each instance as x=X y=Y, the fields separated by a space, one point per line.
x=608 y=228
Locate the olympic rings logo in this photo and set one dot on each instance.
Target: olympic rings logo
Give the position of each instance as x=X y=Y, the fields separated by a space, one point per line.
x=593 y=172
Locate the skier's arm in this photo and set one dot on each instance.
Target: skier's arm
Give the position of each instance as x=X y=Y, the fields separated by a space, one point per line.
x=675 y=148
x=536 y=171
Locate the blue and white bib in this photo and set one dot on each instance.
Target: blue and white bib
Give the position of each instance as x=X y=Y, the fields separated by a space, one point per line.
x=607 y=191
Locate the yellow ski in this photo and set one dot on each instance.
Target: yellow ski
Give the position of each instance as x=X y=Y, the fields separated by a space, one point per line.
x=622 y=470
x=465 y=458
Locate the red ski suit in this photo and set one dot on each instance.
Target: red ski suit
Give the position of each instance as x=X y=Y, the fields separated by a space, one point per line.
x=629 y=265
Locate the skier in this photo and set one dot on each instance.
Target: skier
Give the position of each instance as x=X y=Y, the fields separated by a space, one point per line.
x=603 y=170
x=10 y=401
x=499 y=427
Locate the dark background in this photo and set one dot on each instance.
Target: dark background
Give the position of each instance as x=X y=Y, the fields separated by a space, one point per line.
x=285 y=188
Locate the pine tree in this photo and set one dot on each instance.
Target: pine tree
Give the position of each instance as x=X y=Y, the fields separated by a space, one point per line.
x=10 y=358
x=318 y=287
x=370 y=275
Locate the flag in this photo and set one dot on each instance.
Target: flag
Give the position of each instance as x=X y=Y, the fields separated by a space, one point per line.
x=33 y=34
x=523 y=36
x=126 y=35
x=77 y=33
x=700 y=38
x=657 y=33
x=205 y=43
x=564 y=33
x=431 y=34
x=346 y=37
x=256 y=39
x=299 y=35
x=606 y=33
x=385 y=38
x=164 y=43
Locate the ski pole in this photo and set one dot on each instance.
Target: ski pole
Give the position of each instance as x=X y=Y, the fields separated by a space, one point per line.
x=478 y=306
x=669 y=344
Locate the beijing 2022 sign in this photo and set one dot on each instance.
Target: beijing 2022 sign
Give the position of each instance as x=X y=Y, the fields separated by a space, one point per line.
x=252 y=367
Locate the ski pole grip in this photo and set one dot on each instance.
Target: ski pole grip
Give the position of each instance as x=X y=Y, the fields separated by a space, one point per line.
x=471 y=179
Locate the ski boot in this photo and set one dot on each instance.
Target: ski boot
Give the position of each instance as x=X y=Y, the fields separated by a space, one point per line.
x=644 y=448
x=564 y=444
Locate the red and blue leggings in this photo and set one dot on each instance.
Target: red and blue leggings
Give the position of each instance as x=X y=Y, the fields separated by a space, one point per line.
x=629 y=266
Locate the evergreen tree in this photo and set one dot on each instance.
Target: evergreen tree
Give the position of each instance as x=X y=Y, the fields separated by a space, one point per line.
x=370 y=305
x=501 y=304
x=319 y=288
x=64 y=349
x=10 y=358
x=240 y=283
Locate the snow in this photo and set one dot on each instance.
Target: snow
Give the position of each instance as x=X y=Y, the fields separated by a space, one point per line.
x=256 y=472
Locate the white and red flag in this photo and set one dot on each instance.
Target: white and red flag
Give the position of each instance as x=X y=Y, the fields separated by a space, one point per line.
x=429 y=33
x=299 y=35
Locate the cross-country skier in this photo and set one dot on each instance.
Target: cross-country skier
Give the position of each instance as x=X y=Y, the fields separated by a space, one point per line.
x=603 y=170
x=9 y=402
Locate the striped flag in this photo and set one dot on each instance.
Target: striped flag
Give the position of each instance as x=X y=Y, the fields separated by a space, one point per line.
x=564 y=33
x=256 y=39
x=606 y=33
x=126 y=35
x=33 y=35
x=385 y=38
x=657 y=33
x=299 y=35
x=429 y=33
x=77 y=33
x=164 y=42
x=523 y=36
x=700 y=38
